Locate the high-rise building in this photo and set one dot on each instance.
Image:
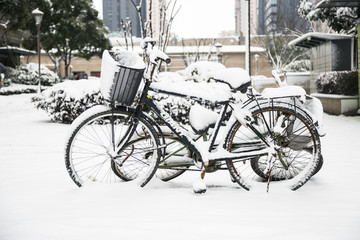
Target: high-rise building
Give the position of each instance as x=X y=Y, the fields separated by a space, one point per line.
x=268 y=16
x=281 y=16
x=241 y=15
x=115 y=10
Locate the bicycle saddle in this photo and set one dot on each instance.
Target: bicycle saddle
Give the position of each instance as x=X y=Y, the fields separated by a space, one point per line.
x=236 y=78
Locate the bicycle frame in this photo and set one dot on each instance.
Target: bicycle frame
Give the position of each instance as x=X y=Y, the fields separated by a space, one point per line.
x=204 y=150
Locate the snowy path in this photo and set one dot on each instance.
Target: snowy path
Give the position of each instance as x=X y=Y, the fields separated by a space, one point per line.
x=39 y=201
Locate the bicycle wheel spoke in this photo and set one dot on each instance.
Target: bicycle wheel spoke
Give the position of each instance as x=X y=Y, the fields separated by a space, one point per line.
x=90 y=156
x=295 y=143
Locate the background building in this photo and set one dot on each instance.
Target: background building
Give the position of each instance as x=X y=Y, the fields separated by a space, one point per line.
x=241 y=14
x=269 y=16
x=114 y=11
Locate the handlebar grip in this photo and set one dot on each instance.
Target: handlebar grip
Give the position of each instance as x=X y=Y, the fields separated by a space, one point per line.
x=167 y=60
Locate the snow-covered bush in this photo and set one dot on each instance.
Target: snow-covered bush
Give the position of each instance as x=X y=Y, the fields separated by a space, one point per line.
x=298 y=66
x=28 y=74
x=342 y=82
x=10 y=89
x=67 y=100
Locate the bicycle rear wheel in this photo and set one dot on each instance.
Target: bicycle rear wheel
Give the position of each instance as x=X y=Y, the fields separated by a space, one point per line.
x=297 y=145
x=90 y=155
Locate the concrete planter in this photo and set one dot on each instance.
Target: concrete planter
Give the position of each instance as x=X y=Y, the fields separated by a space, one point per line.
x=338 y=104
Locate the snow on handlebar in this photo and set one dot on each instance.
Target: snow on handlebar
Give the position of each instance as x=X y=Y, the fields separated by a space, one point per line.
x=145 y=43
x=154 y=55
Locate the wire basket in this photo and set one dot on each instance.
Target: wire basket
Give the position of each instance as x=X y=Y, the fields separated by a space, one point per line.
x=125 y=85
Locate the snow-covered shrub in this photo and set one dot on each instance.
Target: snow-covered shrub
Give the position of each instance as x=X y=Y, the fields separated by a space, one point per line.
x=342 y=82
x=28 y=74
x=67 y=100
x=10 y=89
x=298 y=66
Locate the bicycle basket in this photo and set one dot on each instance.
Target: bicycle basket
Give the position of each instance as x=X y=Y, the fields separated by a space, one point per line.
x=125 y=85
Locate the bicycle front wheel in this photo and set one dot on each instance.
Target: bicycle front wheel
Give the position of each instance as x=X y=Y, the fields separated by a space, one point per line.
x=295 y=140
x=90 y=155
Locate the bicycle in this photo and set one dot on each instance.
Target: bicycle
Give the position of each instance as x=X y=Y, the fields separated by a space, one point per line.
x=265 y=140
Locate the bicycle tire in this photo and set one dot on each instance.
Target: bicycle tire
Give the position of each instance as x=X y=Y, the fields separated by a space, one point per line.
x=296 y=160
x=89 y=155
x=174 y=149
x=165 y=173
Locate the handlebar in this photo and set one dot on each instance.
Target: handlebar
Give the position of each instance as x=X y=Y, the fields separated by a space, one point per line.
x=154 y=55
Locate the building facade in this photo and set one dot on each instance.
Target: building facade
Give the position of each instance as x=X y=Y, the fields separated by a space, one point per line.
x=281 y=15
x=241 y=14
x=268 y=16
x=116 y=10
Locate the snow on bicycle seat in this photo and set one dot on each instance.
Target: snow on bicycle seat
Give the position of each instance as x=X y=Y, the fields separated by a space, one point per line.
x=236 y=78
x=175 y=83
x=229 y=79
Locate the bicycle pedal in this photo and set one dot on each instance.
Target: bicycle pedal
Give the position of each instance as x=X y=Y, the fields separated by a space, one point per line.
x=199 y=187
x=202 y=191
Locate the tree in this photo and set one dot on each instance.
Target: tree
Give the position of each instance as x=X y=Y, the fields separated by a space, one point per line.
x=17 y=18
x=166 y=20
x=70 y=27
x=282 y=26
x=339 y=19
x=18 y=12
x=280 y=54
x=75 y=29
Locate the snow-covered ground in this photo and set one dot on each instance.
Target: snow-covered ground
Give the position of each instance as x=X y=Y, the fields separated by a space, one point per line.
x=39 y=201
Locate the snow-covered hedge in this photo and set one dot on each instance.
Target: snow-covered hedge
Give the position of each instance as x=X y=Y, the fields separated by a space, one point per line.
x=10 y=89
x=67 y=100
x=28 y=74
x=342 y=82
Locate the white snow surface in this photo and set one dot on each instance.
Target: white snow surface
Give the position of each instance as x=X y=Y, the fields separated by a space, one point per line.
x=208 y=91
x=202 y=67
x=325 y=36
x=284 y=92
x=201 y=117
x=233 y=76
x=39 y=201
x=74 y=89
x=198 y=80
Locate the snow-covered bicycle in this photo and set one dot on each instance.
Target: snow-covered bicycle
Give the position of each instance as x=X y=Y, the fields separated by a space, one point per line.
x=267 y=139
